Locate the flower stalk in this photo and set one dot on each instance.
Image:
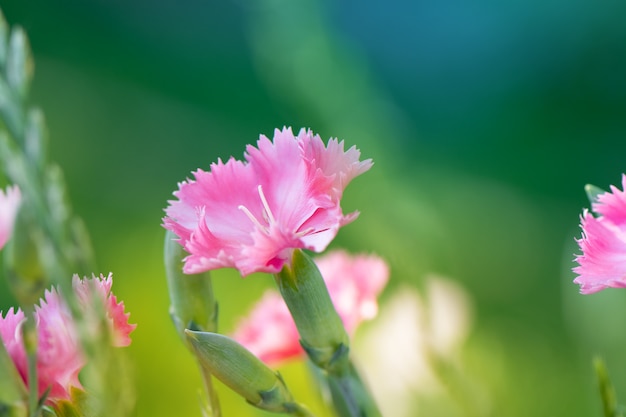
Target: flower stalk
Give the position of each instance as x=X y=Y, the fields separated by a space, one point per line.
x=323 y=336
x=193 y=307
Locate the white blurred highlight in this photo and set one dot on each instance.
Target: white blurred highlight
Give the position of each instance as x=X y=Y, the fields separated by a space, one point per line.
x=409 y=332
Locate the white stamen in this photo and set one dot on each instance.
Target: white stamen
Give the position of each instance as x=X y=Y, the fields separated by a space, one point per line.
x=270 y=217
x=251 y=217
x=305 y=232
x=267 y=213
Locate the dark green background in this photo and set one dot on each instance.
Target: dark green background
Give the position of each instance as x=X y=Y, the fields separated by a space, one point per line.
x=485 y=121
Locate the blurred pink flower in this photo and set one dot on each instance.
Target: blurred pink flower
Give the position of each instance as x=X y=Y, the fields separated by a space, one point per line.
x=603 y=243
x=119 y=326
x=9 y=203
x=59 y=354
x=354 y=283
x=252 y=214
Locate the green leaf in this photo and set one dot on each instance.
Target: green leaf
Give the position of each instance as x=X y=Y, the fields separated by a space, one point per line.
x=593 y=192
x=13 y=392
x=20 y=65
x=607 y=392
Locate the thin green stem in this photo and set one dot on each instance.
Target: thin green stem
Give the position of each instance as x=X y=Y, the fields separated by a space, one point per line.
x=29 y=336
x=213 y=404
x=350 y=395
x=300 y=410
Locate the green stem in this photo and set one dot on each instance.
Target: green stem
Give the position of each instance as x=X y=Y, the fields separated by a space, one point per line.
x=213 y=404
x=350 y=396
x=299 y=410
x=29 y=336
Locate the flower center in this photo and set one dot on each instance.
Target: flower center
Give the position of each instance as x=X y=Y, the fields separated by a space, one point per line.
x=267 y=213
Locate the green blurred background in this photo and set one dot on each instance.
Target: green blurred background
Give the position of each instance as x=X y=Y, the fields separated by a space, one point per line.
x=485 y=121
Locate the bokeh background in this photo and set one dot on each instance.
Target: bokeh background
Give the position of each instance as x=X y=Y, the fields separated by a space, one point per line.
x=485 y=121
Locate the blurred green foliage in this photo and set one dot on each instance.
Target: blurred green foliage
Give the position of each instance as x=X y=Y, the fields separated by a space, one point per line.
x=484 y=120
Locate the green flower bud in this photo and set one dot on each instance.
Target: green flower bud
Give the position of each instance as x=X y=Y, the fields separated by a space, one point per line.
x=321 y=330
x=193 y=303
x=241 y=371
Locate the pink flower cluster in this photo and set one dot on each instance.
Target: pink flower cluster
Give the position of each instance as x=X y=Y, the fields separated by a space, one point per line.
x=603 y=243
x=59 y=354
x=354 y=283
x=9 y=203
x=251 y=215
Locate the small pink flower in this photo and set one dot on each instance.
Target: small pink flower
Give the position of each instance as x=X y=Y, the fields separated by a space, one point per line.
x=9 y=203
x=252 y=214
x=59 y=354
x=603 y=243
x=119 y=326
x=354 y=283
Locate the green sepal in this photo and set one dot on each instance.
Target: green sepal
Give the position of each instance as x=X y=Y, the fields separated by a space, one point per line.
x=339 y=357
x=240 y=370
x=321 y=330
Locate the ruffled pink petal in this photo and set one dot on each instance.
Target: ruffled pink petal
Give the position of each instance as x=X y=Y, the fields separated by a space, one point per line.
x=9 y=204
x=252 y=214
x=612 y=205
x=342 y=166
x=11 y=334
x=603 y=260
x=59 y=355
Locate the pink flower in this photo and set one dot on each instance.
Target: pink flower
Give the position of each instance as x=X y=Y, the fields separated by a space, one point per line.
x=59 y=354
x=119 y=326
x=354 y=283
x=9 y=203
x=252 y=214
x=603 y=243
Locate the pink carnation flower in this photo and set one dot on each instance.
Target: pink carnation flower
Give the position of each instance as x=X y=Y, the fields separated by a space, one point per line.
x=9 y=203
x=603 y=243
x=354 y=283
x=252 y=214
x=59 y=354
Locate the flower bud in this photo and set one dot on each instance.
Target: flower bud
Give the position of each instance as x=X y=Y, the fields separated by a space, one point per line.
x=240 y=370
x=193 y=305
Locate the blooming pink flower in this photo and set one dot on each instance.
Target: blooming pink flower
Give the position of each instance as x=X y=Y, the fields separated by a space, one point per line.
x=9 y=203
x=603 y=243
x=354 y=283
x=252 y=214
x=59 y=354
